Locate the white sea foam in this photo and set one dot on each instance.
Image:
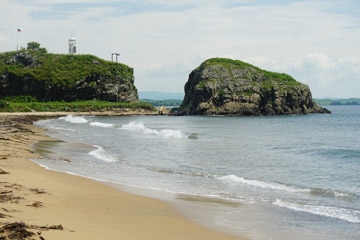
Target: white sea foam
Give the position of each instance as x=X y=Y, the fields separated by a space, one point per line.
x=100 y=124
x=61 y=129
x=101 y=154
x=72 y=119
x=41 y=122
x=165 y=133
x=292 y=189
x=261 y=184
x=348 y=215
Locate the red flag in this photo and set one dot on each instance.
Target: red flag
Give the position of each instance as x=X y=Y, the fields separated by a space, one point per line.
x=19 y=30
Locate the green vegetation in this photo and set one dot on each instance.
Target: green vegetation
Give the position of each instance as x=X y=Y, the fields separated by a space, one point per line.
x=159 y=103
x=349 y=101
x=36 y=46
x=284 y=81
x=229 y=63
x=15 y=105
x=204 y=82
x=61 y=76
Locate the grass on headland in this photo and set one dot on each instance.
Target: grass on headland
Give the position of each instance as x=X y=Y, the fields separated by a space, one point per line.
x=76 y=106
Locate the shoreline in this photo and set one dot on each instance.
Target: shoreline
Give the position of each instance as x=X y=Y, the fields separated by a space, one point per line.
x=84 y=208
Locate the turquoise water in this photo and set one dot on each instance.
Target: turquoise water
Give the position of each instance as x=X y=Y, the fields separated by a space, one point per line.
x=286 y=177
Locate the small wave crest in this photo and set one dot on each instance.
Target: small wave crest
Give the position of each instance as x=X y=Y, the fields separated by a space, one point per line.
x=292 y=189
x=101 y=154
x=348 y=215
x=165 y=133
x=72 y=119
x=343 y=153
x=100 y=124
x=210 y=199
x=171 y=171
x=261 y=184
x=334 y=194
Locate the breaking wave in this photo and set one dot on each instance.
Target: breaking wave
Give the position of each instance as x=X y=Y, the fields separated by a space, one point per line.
x=165 y=133
x=292 y=189
x=101 y=154
x=261 y=184
x=334 y=194
x=100 y=124
x=348 y=215
x=72 y=119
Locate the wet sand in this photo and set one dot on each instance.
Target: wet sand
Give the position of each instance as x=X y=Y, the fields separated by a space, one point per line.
x=54 y=205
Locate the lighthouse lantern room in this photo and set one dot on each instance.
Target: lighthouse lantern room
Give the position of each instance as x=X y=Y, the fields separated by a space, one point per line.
x=72 y=45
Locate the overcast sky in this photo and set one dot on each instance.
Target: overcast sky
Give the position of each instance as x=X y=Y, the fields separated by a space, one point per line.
x=317 y=42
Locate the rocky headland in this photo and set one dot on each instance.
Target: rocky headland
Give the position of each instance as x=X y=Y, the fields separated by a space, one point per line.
x=63 y=77
x=231 y=87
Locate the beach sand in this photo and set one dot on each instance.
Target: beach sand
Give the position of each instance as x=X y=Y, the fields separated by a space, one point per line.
x=55 y=205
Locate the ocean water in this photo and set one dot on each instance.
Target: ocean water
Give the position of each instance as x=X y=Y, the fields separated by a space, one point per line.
x=282 y=177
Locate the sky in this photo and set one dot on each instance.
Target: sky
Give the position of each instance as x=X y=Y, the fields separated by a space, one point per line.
x=316 y=41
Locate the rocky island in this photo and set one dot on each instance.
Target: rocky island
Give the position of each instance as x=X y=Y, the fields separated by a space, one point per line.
x=231 y=87
x=64 y=77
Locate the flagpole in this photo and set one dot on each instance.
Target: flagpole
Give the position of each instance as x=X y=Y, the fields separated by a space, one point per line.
x=17 y=40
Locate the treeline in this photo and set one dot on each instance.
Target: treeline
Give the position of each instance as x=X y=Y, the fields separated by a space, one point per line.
x=349 y=101
x=159 y=103
x=30 y=104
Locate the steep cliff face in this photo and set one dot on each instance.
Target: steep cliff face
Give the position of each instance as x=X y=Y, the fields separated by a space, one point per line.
x=65 y=77
x=232 y=87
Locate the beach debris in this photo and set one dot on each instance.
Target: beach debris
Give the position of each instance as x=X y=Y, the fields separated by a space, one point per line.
x=6 y=192
x=53 y=227
x=5 y=197
x=37 y=190
x=3 y=172
x=65 y=160
x=41 y=237
x=13 y=185
x=15 y=231
x=20 y=230
x=46 y=228
x=5 y=210
x=4 y=157
x=36 y=204
x=4 y=215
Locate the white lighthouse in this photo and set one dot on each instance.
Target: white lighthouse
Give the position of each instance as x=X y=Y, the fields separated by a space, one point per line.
x=72 y=45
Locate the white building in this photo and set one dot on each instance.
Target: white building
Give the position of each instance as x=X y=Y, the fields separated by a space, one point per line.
x=72 y=45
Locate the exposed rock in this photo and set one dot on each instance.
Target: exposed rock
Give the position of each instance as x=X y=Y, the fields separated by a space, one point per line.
x=232 y=87
x=51 y=77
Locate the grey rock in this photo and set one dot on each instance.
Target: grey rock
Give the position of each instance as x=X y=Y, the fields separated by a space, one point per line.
x=232 y=87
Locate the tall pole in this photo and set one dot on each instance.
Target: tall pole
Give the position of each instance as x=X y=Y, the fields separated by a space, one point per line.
x=17 y=40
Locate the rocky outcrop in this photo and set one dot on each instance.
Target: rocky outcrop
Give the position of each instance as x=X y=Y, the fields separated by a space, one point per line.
x=232 y=87
x=54 y=77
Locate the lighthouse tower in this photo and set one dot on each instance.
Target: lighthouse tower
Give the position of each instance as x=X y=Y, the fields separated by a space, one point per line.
x=72 y=45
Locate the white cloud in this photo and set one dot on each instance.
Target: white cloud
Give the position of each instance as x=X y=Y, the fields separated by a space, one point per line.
x=326 y=76
x=303 y=38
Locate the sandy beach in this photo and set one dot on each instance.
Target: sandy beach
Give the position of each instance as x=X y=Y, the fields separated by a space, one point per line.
x=54 y=205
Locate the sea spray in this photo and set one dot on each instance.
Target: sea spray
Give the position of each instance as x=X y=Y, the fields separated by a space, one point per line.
x=72 y=119
x=165 y=133
x=100 y=124
x=101 y=154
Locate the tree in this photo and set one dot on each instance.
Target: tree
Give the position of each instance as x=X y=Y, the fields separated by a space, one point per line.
x=36 y=46
x=33 y=45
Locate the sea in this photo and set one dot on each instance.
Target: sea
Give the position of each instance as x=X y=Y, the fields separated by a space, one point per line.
x=279 y=177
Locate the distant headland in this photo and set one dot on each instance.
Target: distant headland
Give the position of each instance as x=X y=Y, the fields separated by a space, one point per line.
x=222 y=86
x=64 y=77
